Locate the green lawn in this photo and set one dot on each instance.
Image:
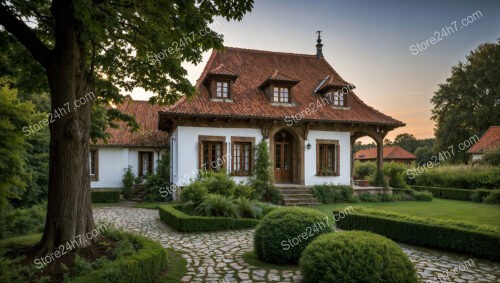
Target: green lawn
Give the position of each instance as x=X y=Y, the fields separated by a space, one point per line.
x=477 y=213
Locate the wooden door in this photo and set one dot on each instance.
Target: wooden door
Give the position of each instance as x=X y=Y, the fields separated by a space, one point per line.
x=283 y=158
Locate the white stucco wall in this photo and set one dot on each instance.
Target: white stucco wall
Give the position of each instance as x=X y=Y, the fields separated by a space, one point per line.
x=344 y=139
x=476 y=157
x=185 y=163
x=113 y=161
x=184 y=145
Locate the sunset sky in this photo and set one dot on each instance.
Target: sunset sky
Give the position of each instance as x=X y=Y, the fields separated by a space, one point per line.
x=368 y=44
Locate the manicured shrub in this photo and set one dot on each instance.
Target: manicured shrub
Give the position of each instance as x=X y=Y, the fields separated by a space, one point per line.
x=244 y=191
x=479 y=195
x=283 y=234
x=218 y=183
x=128 y=182
x=459 y=177
x=446 y=193
x=355 y=256
x=194 y=192
x=180 y=221
x=395 y=173
x=493 y=197
x=364 y=169
x=160 y=180
x=367 y=197
x=422 y=196
x=217 y=205
x=272 y=195
x=262 y=179
x=105 y=196
x=385 y=197
x=327 y=193
x=378 y=179
x=457 y=236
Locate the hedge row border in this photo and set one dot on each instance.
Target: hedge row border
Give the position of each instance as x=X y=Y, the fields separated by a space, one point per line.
x=105 y=195
x=481 y=244
x=182 y=222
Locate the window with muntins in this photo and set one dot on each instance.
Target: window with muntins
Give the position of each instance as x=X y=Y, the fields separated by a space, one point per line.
x=339 y=99
x=281 y=94
x=241 y=159
x=222 y=89
x=212 y=156
x=327 y=159
x=145 y=163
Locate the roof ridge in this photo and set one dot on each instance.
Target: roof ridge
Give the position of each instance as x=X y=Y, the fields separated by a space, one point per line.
x=268 y=51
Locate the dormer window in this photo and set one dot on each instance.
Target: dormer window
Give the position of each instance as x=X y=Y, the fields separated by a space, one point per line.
x=281 y=94
x=339 y=99
x=278 y=88
x=222 y=89
x=336 y=91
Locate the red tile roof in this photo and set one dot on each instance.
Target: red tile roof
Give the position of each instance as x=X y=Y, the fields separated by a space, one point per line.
x=248 y=101
x=490 y=140
x=222 y=71
x=146 y=115
x=390 y=152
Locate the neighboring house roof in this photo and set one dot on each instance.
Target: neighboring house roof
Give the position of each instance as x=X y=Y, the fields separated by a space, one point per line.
x=146 y=115
x=390 y=152
x=490 y=140
x=253 y=68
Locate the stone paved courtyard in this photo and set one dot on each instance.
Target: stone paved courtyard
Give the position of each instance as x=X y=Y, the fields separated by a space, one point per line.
x=217 y=256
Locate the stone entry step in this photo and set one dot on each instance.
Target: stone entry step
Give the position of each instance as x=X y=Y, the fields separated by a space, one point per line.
x=297 y=195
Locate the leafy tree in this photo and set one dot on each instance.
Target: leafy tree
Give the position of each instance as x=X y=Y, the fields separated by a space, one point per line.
x=406 y=141
x=128 y=182
x=388 y=142
x=85 y=46
x=359 y=146
x=423 y=154
x=469 y=101
x=262 y=180
x=13 y=116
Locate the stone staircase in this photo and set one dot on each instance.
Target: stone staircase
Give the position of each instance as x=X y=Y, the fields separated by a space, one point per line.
x=139 y=191
x=297 y=195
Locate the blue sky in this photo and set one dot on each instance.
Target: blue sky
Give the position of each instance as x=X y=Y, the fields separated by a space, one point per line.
x=368 y=44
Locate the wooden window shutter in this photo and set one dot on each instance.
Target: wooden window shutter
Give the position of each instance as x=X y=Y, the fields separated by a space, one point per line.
x=318 y=166
x=337 y=171
x=200 y=154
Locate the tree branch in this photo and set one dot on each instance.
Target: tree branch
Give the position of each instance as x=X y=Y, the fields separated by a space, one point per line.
x=25 y=35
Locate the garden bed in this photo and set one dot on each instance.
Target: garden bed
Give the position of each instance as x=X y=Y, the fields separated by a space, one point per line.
x=457 y=236
x=183 y=222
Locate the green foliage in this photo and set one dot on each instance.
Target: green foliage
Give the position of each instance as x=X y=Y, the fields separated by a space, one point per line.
x=378 y=179
x=491 y=157
x=272 y=195
x=218 y=183
x=355 y=256
x=407 y=142
x=364 y=169
x=422 y=196
x=493 y=197
x=194 y=192
x=284 y=233
x=459 y=177
x=262 y=179
x=182 y=222
x=396 y=174
x=248 y=208
x=369 y=197
x=468 y=100
x=14 y=116
x=424 y=154
x=217 y=205
x=160 y=179
x=23 y=221
x=457 y=236
x=446 y=193
x=329 y=193
x=128 y=182
x=242 y=191
x=105 y=196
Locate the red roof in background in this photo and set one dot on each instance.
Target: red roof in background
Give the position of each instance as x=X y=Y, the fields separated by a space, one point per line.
x=390 y=152
x=490 y=140
x=254 y=67
x=146 y=115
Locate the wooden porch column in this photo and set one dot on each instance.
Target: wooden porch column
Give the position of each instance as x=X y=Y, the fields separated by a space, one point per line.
x=380 y=154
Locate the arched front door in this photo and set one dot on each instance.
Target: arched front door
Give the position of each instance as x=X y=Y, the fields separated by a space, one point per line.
x=283 y=157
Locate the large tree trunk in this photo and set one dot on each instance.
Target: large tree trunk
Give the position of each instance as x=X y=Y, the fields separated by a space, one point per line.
x=69 y=212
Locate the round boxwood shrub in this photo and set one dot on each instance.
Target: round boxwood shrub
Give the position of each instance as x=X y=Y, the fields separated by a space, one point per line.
x=355 y=256
x=284 y=233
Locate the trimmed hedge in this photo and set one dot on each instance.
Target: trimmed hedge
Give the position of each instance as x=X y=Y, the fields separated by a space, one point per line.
x=483 y=241
x=143 y=266
x=284 y=233
x=180 y=221
x=329 y=193
x=355 y=256
x=105 y=196
x=447 y=193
